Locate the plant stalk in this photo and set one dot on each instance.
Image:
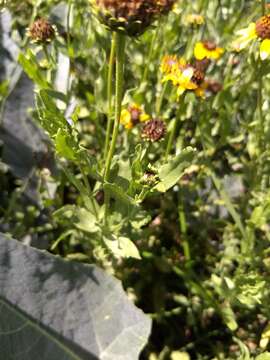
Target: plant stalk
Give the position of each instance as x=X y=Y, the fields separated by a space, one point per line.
x=109 y=95
x=119 y=79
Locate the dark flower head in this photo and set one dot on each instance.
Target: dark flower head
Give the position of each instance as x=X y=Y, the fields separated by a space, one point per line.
x=130 y=16
x=263 y=27
x=42 y=31
x=154 y=130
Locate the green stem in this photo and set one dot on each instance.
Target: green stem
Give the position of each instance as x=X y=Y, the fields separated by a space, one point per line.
x=46 y=53
x=120 y=42
x=119 y=79
x=260 y=112
x=150 y=55
x=160 y=98
x=183 y=226
x=109 y=95
x=263 y=7
x=89 y=190
x=172 y=133
x=171 y=138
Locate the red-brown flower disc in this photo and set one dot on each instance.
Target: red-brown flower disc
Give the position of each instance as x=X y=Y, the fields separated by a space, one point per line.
x=132 y=17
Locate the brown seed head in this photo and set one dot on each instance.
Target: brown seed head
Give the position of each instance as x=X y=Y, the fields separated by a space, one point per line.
x=41 y=31
x=198 y=77
x=263 y=27
x=131 y=16
x=213 y=86
x=154 y=130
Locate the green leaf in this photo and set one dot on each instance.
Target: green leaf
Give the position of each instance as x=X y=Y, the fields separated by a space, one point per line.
x=86 y=221
x=264 y=356
x=229 y=317
x=140 y=219
x=55 y=309
x=62 y=147
x=171 y=172
x=32 y=69
x=119 y=194
x=122 y=247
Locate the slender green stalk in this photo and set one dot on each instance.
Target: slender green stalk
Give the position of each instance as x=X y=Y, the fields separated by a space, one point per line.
x=46 y=53
x=109 y=96
x=171 y=138
x=120 y=54
x=260 y=95
x=183 y=226
x=49 y=61
x=160 y=99
x=173 y=131
x=260 y=111
x=89 y=190
x=150 y=55
x=263 y=6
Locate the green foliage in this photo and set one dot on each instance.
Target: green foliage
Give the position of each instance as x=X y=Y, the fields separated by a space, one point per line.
x=183 y=222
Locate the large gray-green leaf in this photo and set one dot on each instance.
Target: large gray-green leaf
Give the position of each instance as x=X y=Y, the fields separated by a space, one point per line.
x=171 y=172
x=51 y=309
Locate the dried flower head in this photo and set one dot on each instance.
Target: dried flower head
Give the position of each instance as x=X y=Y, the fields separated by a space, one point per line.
x=133 y=115
x=256 y=30
x=41 y=31
x=213 y=86
x=154 y=130
x=132 y=17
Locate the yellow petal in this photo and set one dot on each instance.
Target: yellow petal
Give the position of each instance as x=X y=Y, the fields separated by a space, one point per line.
x=125 y=119
x=144 y=117
x=245 y=36
x=199 y=51
x=180 y=90
x=265 y=49
x=216 y=54
x=200 y=92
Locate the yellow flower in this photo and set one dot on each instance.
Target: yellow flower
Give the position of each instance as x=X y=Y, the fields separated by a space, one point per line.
x=194 y=19
x=167 y=63
x=184 y=77
x=132 y=116
x=256 y=30
x=207 y=50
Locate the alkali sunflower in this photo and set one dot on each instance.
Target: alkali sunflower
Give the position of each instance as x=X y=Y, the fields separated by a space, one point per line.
x=184 y=77
x=256 y=30
x=207 y=50
x=132 y=17
x=133 y=115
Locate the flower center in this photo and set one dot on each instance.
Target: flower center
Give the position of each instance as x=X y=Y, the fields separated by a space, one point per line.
x=263 y=27
x=198 y=77
x=209 y=45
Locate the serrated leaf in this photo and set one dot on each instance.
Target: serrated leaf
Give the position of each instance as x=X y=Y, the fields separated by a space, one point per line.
x=171 y=172
x=55 y=309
